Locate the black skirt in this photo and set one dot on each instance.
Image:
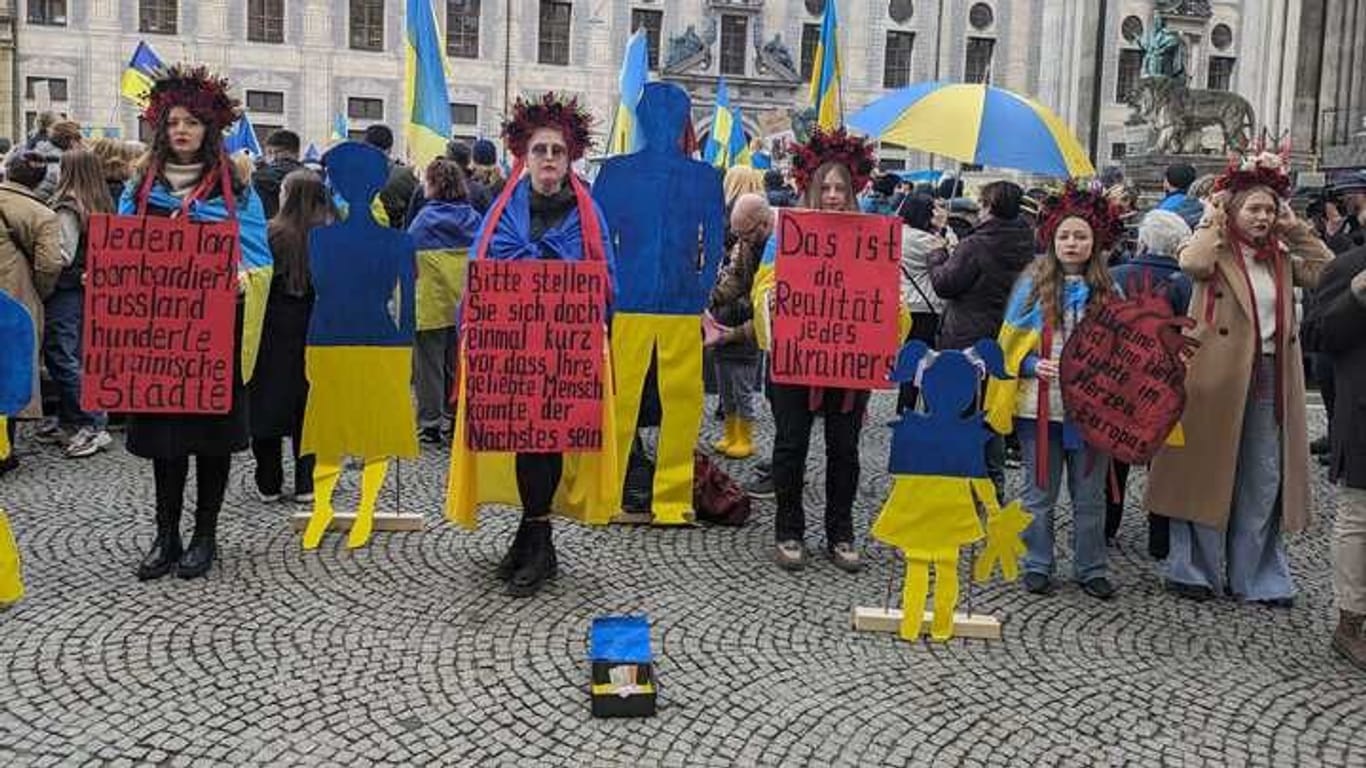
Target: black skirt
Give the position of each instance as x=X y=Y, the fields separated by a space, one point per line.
x=279 y=388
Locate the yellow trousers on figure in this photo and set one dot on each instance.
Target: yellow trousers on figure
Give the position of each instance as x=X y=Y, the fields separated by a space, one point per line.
x=677 y=341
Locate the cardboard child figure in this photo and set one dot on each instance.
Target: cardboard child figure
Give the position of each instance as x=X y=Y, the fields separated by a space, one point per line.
x=359 y=353
x=666 y=215
x=940 y=478
x=17 y=373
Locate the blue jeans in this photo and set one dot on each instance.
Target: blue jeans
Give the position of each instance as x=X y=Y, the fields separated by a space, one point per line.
x=1248 y=560
x=1086 y=472
x=63 y=313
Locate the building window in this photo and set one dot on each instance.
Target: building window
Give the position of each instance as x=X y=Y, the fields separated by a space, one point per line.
x=1130 y=69
x=365 y=109
x=1220 y=73
x=811 y=37
x=56 y=88
x=462 y=29
x=464 y=114
x=553 y=46
x=653 y=23
x=266 y=21
x=980 y=16
x=1131 y=29
x=47 y=12
x=264 y=131
x=356 y=135
x=815 y=7
x=157 y=17
x=367 y=25
x=734 y=43
x=977 y=67
x=1118 y=150
x=896 y=65
x=1221 y=36
x=266 y=101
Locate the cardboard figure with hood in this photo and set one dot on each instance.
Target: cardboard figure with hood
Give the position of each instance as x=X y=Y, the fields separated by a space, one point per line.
x=666 y=216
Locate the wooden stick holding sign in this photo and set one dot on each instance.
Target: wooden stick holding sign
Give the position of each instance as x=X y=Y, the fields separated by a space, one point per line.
x=836 y=299
x=160 y=307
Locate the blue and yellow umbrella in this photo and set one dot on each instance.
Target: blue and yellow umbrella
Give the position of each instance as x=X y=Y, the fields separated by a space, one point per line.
x=976 y=124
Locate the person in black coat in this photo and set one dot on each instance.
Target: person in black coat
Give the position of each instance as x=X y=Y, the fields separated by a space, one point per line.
x=282 y=149
x=279 y=391
x=975 y=280
x=1337 y=327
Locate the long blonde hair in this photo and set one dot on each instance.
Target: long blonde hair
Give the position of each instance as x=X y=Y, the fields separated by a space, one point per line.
x=742 y=180
x=1046 y=280
x=82 y=185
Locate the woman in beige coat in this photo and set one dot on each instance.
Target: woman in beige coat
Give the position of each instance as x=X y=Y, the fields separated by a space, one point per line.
x=1242 y=476
x=30 y=256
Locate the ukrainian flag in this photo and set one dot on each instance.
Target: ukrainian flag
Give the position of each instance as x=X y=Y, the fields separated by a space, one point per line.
x=340 y=128
x=718 y=147
x=635 y=70
x=140 y=73
x=739 y=145
x=428 y=124
x=825 y=73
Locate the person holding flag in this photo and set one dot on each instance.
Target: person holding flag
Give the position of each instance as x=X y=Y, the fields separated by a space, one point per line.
x=187 y=172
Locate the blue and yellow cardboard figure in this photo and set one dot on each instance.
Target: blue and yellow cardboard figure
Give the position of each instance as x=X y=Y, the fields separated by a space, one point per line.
x=938 y=463
x=17 y=372
x=358 y=358
x=666 y=216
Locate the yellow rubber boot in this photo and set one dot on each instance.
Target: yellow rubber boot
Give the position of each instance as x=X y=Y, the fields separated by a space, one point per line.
x=742 y=446
x=722 y=446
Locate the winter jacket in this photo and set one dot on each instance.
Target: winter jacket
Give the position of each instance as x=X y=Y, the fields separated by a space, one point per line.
x=917 y=249
x=1336 y=326
x=1188 y=208
x=976 y=278
x=268 y=179
x=730 y=300
x=30 y=261
x=1163 y=273
x=397 y=194
x=442 y=233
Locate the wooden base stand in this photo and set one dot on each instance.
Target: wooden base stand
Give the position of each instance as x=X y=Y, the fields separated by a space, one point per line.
x=384 y=521
x=977 y=625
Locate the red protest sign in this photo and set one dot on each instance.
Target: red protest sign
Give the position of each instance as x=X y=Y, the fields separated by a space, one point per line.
x=834 y=305
x=1123 y=374
x=535 y=338
x=160 y=305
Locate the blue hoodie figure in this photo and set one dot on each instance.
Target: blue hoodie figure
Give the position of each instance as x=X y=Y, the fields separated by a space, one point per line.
x=666 y=214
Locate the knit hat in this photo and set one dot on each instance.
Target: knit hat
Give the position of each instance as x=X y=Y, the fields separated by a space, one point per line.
x=485 y=152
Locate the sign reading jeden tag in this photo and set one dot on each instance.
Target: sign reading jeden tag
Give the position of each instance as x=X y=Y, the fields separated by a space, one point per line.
x=535 y=343
x=160 y=306
x=834 y=304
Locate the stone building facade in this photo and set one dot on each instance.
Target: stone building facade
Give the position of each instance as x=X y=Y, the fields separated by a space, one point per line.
x=300 y=62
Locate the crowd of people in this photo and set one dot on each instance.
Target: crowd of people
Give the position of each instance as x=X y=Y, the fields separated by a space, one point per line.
x=1019 y=266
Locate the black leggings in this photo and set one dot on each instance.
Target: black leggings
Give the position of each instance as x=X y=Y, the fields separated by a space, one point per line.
x=210 y=484
x=538 y=475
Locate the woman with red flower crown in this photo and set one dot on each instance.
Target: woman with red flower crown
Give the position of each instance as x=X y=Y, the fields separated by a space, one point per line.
x=1241 y=478
x=830 y=170
x=186 y=172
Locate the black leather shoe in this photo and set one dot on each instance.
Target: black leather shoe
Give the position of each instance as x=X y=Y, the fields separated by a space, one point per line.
x=539 y=564
x=516 y=553
x=1190 y=591
x=1037 y=584
x=1100 y=588
x=197 y=558
x=162 y=558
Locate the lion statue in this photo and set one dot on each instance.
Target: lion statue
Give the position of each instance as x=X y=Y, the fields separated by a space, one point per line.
x=1178 y=114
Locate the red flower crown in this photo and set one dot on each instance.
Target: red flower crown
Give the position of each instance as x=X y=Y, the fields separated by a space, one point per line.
x=549 y=111
x=836 y=146
x=1090 y=206
x=197 y=90
x=1262 y=168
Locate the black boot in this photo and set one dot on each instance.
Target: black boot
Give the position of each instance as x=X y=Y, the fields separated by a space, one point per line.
x=165 y=552
x=538 y=564
x=516 y=553
x=199 y=555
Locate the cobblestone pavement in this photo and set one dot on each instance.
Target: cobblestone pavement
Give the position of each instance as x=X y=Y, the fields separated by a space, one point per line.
x=407 y=652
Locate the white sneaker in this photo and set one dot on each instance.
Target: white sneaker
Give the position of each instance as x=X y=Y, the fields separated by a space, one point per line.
x=88 y=442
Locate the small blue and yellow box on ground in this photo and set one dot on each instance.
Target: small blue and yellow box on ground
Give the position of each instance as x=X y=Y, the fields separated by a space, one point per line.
x=622 y=667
